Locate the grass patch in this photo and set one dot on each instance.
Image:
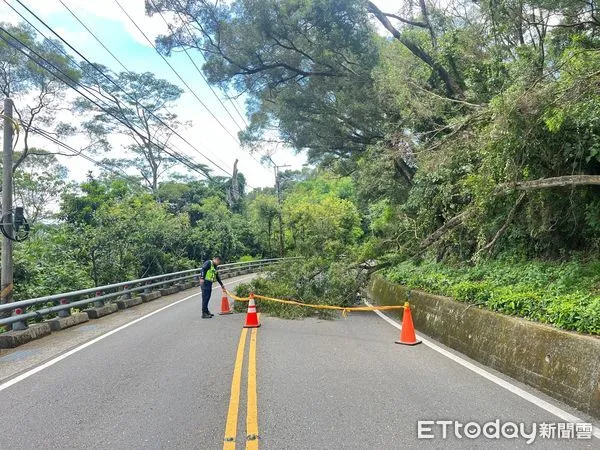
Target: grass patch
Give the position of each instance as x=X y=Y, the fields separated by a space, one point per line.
x=563 y=294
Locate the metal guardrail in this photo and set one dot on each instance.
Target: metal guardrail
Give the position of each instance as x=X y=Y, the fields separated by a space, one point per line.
x=69 y=300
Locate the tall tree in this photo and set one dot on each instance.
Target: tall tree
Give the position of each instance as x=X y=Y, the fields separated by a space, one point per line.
x=264 y=209
x=136 y=106
x=36 y=74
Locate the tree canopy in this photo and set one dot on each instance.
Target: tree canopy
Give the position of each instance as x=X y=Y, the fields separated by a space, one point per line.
x=459 y=121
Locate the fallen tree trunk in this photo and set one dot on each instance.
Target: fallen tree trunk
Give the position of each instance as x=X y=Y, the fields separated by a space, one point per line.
x=545 y=183
x=507 y=188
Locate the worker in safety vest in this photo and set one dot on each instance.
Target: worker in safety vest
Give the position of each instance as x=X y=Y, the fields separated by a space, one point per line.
x=208 y=276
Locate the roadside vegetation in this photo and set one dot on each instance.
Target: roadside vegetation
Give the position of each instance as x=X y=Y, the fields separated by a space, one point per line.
x=454 y=145
x=563 y=294
x=314 y=281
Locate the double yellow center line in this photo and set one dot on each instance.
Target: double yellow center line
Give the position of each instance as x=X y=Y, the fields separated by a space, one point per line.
x=234 y=400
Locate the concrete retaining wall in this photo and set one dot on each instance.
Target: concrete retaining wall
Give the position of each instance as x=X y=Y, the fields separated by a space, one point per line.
x=564 y=365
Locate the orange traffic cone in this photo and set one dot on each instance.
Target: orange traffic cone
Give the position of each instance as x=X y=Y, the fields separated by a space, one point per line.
x=407 y=333
x=225 y=309
x=252 y=316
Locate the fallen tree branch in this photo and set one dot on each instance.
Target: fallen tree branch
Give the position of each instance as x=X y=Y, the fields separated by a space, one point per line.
x=407 y=21
x=449 y=225
x=504 y=227
x=372 y=268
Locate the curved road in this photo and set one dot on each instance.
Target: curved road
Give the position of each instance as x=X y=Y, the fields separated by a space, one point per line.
x=162 y=378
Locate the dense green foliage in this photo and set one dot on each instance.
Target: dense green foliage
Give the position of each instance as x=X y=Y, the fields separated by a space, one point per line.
x=316 y=281
x=111 y=230
x=37 y=272
x=564 y=294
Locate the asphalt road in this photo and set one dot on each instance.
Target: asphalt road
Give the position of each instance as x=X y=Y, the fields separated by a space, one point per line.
x=166 y=382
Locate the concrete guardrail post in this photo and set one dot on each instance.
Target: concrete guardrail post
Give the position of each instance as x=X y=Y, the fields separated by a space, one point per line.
x=21 y=324
x=99 y=303
x=64 y=312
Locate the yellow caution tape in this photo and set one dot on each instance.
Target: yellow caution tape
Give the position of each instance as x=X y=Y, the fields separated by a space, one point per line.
x=345 y=309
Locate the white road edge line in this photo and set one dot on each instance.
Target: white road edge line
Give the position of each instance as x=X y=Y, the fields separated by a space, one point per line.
x=558 y=412
x=71 y=352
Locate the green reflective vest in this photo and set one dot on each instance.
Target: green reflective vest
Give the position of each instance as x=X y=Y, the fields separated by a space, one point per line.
x=211 y=274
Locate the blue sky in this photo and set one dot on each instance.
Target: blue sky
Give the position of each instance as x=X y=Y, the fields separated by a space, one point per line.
x=115 y=30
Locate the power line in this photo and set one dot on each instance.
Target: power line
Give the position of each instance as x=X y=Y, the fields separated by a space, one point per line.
x=48 y=136
x=185 y=25
x=183 y=159
x=69 y=81
x=99 y=41
x=95 y=37
x=176 y=72
x=235 y=106
x=181 y=78
x=202 y=74
x=102 y=73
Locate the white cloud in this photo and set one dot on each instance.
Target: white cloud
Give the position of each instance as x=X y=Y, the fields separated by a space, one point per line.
x=105 y=9
x=82 y=38
x=109 y=9
x=7 y=14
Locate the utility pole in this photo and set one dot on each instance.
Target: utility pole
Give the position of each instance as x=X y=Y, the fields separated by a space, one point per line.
x=6 y=276
x=278 y=189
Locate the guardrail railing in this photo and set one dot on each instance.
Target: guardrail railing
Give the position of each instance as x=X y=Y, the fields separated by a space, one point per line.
x=61 y=304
